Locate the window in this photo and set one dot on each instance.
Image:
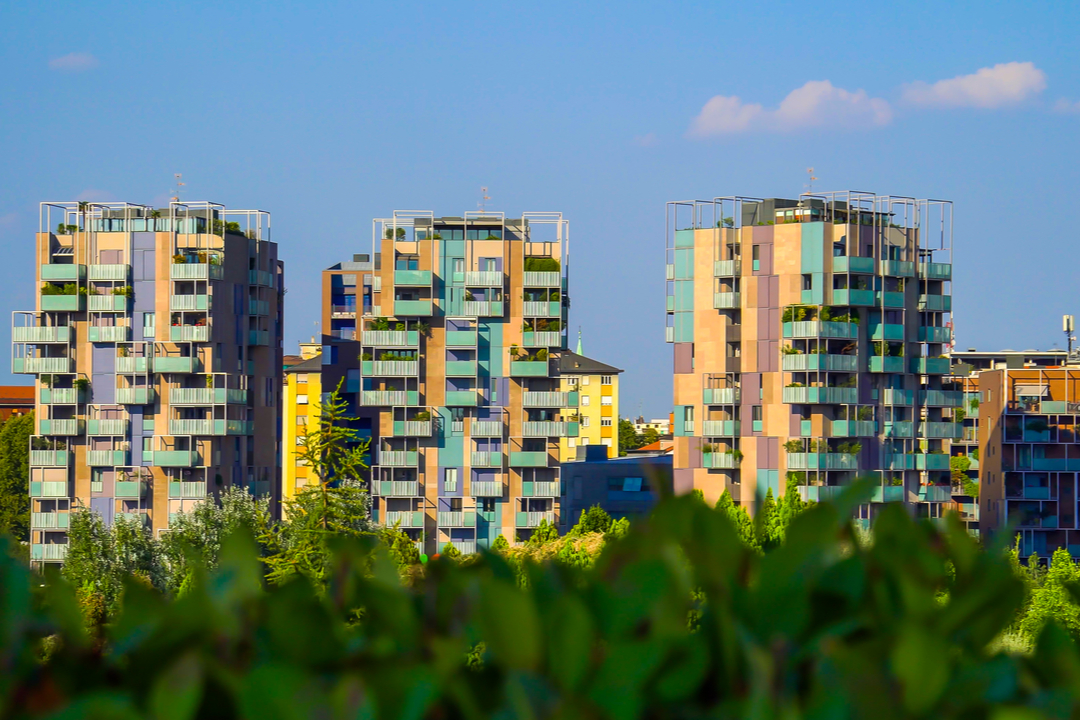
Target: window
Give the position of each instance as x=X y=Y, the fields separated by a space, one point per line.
x=584 y=379
x=149 y=325
x=450 y=480
x=605 y=379
x=605 y=400
x=755 y=413
x=301 y=420
x=606 y=442
x=301 y=377
x=584 y=400
x=487 y=505
x=571 y=380
x=584 y=441
x=571 y=442
x=585 y=421
x=301 y=400
x=755 y=255
x=459 y=265
x=631 y=484
x=605 y=422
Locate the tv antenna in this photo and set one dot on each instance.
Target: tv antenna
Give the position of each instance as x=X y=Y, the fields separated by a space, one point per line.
x=483 y=199
x=1068 y=324
x=176 y=190
x=810 y=185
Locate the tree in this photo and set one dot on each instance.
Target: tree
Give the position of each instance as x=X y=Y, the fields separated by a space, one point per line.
x=744 y=526
x=402 y=547
x=450 y=551
x=628 y=438
x=500 y=544
x=15 y=477
x=594 y=520
x=959 y=466
x=543 y=533
x=197 y=535
x=619 y=528
x=767 y=523
x=648 y=437
x=790 y=507
x=1053 y=601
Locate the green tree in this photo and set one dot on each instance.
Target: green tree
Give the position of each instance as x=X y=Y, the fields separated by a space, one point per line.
x=648 y=437
x=1053 y=601
x=15 y=477
x=959 y=466
x=450 y=551
x=402 y=547
x=619 y=528
x=500 y=544
x=543 y=534
x=628 y=438
x=593 y=520
x=744 y=526
x=767 y=524
x=790 y=507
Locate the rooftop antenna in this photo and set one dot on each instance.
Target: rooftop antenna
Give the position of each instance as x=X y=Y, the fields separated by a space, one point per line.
x=483 y=199
x=176 y=190
x=1068 y=324
x=810 y=185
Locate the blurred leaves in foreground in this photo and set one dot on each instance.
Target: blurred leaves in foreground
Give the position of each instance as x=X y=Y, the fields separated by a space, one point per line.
x=678 y=618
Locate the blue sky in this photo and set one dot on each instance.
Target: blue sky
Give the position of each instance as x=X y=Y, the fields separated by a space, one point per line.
x=329 y=114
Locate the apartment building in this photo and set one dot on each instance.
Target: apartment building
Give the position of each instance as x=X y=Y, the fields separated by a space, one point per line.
x=16 y=401
x=809 y=346
x=156 y=350
x=660 y=425
x=596 y=386
x=1028 y=456
x=300 y=406
x=447 y=340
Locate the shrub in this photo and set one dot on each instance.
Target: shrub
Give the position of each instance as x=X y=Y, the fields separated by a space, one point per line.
x=541 y=264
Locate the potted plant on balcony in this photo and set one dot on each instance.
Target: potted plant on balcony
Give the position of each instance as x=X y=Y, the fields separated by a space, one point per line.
x=422 y=416
x=736 y=455
x=794 y=446
x=541 y=355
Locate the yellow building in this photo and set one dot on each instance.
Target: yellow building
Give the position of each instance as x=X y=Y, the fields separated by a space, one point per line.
x=592 y=387
x=303 y=389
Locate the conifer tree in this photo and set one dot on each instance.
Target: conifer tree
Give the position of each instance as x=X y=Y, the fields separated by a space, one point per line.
x=500 y=544
x=1053 y=601
x=767 y=523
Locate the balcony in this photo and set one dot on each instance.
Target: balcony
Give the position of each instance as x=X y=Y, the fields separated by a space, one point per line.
x=898 y=268
x=821 y=395
x=390 y=368
x=935 y=493
x=722 y=396
x=63 y=303
x=48 y=552
x=726 y=301
x=398 y=488
x=853 y=428
x=899 y=429
x=415 y=308
x=49 y=489
x=941 y=398
x=533 y=519
x=889 y=299
x=727 y=268
x=887 y=331
x=820 y=362
x=930 y=366
x=49 y=520
x=132 y=365
x=720 y=428
x=183 y=490
x=888 y=493
x=542 y=279
x=412 y=278
x=258 y=307
x=112 y=427
x=821 y=329
x=191 y=426
x=107 y=458
x=460 y=368
x=139 y=517
x=863 y=265
x=935 y=303
x=486 y=459
x=486 y=428
x=189 y=302
x=461 y=338
x=528 y=459
x=391 y=338
x=935 y=334
x=179 y=365
x=405 y=519
x=135 y=396
x=849 y=297
x=113 y=333
x=917 y=461
x=822 y=461
x=456 y=518
x=50 y=334
x=195 y=271
x=131 y=490
x=549 y=428
x=37 y=365
x=890 y=396
x=412 y=428
x=399 y=458
x=542 y=308
x=483 y=278
x=207 y=396
x=719 y=461
x=260 y=277
x=879 y=364
x=49 y=426
x=550 y=489
x=108 y=303
x=482 y=308
x=935 y=271
x=50 y=458
x=61 y=396
x=487 y=489
x=63 y=273
x=462 y=398
x=189 y=333
x=549 y=399
x=544 y=339
x=528 y=368
x=383 y=398
x=174 y=458
x=258 y=337
x=945 y=430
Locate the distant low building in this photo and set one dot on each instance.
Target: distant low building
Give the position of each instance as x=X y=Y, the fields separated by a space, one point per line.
x=660 y=425
x=16 y=400
x=624 y=487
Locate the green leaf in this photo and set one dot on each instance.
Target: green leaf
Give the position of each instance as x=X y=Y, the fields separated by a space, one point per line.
x=178 y=690
x=920 y=660
x=510 y=624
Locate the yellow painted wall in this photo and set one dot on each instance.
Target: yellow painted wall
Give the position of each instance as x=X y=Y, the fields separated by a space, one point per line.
x=591 y=395
x=297 y=386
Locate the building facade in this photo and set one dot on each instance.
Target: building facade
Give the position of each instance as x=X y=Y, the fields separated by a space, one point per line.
x=625 y=487
x=660 y=425
x=809 y=346
x=446 y=340
x=16 y=401
x=596 y=386
x=156 y=350
x=301 y=395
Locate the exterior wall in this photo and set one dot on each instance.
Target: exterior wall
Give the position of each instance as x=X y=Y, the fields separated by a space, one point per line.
x=181 y=372
x=16 y=400
x=763 y=401
x=302 y=393
x=593 y=393
x=625 y=487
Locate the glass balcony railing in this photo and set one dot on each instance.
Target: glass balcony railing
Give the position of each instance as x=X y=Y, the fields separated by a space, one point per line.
x=485 y=488
x=175 y=364
x=189 y=302
x=721 y=396
x=460 y=368
x=945 y=430
x=61 y=396
x=930 y=366
x=112 y=333
x=462 y=398
x=898 y=268
x=258 y=307
x=821 y=395
x=107 y=458
x=189 y=333
x=399 y=458
x=456 y=518
x=174 y=458
x=726 y=300
x=850 y=297
x=820 y=362
x=412 y=278
x=135 y=396
x=108 y=303
x=890 y=396
x=49 y=520
x=822 y=461
x=63 y=273
x=413 y=308
x=886 y=331
x=486 y=459
x=533 y=519
x=899 y=429
x=549 y=428
x=486 y=428
x=412 y=428
x=541 y=488
x=549 y=399
x=390 y=368
x=821 y=329
x=545 y=339
x=889 y=299
x=207 y=396
x=392 y=338
x=382 y=398
x=483 y=278
x=482 y=308
x=542 y=279
x=843 y=264
x=528 y=459
x=461 y=338
x=935 y=303
x=53 y=334
x=195 y=271
x=47 y=552
x=49 y=489
x=397 y=488
x=114 y=427
x=37 y=365
x=879 y=364
x=65 y=427
x=727 y=268
x=63 y=303
x=528 y=368
x=935 y=334
x=184 y=490
x=853 y=428
x=935 y=271
x=719 y=461
x=405 y=518
x=50 y=458
x=941 y=398
x=719 y=428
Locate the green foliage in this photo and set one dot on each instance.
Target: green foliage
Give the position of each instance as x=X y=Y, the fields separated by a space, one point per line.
x=66 y=289
x=543 y=533
x=500 y=544
x=739 y=519
x=1055 y=599
x=541 y=264
x=593 y=520
x=450 y=551
x=15 y=477
x=767 y=526
x=628 y=438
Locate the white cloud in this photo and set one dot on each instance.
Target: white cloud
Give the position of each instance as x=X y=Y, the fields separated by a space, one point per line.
x=646 y=140
x=1066 y=106
x=818 y=103
x=74 y=62
x=1003 y=84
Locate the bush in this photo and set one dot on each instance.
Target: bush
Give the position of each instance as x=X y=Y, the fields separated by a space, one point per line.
x=541 y=264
